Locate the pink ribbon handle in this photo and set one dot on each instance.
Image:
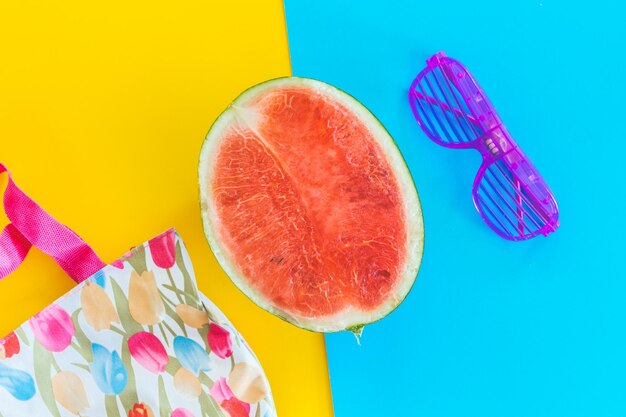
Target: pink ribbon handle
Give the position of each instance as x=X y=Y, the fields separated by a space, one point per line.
x=31 y=225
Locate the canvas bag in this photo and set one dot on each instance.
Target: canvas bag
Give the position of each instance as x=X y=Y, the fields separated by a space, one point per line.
x=134 y=338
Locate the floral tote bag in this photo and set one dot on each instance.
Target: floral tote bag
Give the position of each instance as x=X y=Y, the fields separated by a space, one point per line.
x=134 y=338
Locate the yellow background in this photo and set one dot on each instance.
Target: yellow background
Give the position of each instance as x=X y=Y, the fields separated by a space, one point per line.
x=103 y=109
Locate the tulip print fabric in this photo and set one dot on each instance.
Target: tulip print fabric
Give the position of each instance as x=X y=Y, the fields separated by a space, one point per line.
x=137 y=339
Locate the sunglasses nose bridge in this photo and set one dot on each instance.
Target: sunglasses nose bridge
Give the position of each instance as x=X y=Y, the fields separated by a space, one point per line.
x=494 y=143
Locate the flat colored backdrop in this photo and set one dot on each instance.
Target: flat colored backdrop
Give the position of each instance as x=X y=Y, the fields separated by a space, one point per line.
x=103 y=109
x=492 y=328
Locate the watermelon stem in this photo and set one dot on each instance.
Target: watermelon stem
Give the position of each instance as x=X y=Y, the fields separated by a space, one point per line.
x=357 y=331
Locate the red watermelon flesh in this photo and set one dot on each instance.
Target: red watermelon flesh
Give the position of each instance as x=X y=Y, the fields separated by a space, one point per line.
x=307 y=206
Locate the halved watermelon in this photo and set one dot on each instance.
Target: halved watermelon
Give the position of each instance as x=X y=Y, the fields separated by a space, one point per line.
x=309 y=207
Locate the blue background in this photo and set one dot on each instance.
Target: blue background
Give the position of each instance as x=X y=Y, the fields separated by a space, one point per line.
x=492 y=328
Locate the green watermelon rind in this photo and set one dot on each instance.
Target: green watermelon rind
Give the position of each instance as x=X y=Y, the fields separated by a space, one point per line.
x=350 y=320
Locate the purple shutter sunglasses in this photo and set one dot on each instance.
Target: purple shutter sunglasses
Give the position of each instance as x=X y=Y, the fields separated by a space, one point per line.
x=454 y=112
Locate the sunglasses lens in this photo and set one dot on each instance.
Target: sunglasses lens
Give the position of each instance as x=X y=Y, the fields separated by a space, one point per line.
x=441 y=110
x=509 y=206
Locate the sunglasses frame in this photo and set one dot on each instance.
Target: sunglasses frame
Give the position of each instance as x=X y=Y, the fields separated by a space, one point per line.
x=530 y=194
